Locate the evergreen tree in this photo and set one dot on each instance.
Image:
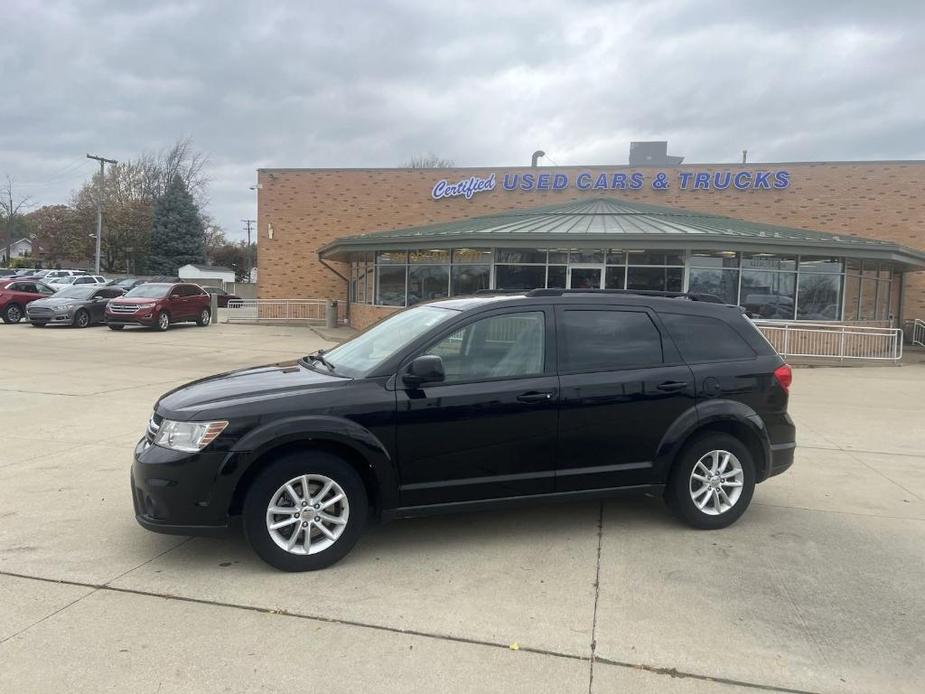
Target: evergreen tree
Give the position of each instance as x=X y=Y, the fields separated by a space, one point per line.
x=178 y=236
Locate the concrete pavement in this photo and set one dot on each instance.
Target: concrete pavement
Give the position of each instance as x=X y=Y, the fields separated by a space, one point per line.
x=817 y=589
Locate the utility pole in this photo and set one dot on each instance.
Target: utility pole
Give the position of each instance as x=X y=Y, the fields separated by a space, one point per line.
x=744 y=156
x=247 y=256
x=99 y=207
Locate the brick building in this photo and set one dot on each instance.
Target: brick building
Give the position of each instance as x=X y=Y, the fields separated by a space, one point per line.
x=813 y=241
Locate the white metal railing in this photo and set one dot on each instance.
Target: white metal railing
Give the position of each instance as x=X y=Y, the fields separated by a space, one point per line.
x=918 y=332
x=833 y=341
x=259 y=310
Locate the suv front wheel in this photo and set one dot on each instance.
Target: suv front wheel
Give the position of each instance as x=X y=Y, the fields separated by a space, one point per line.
x=712 y=482
x=305 y=511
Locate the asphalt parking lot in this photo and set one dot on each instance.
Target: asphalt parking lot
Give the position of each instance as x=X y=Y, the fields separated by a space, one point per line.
x=819 y=588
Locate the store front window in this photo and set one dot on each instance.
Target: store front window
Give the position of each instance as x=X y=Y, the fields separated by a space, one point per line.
x=770 y=286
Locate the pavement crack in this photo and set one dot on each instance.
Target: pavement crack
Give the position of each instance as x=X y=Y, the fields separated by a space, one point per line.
x=597 y=593
x=103 y=588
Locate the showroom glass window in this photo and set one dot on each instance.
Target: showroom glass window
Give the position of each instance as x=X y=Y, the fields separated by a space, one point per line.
x=391 y=277
x=428 y=275
x=520 y=268
x=769 y=284
x=661 y=271
x=716 y=273
x=470 y=270
x=819 y=290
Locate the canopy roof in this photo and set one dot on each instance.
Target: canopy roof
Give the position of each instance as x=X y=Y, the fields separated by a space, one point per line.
x=613 y=223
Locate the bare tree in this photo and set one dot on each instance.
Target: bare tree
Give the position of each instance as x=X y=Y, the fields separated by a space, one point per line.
x=428 y=161
x=11 y=204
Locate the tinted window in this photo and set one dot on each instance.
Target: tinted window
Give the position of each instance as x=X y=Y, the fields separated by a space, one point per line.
x=608 y=340
x=507 y=346
x=150 y=291
x=706 y=339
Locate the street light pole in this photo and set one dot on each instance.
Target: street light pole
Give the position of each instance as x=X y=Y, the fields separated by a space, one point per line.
x=99 y=208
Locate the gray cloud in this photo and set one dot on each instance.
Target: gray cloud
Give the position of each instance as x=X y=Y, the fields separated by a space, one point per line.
x=371 y=83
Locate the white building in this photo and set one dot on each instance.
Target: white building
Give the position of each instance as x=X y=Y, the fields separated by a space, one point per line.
x=196 y=273
x=19 y=249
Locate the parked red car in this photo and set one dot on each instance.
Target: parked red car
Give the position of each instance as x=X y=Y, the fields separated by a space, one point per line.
x=157 y=305
x=15 y=294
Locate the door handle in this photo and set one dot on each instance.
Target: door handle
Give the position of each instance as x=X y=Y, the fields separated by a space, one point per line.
x=671 y=386
x=534 y=396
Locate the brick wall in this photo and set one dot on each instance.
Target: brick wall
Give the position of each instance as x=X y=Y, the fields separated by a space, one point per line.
x=362 y=316
x=308 y=208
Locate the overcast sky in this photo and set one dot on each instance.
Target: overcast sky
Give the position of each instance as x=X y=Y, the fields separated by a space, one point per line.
x=326 y=84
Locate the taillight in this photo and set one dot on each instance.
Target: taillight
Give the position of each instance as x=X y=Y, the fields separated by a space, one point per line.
x=784 y=376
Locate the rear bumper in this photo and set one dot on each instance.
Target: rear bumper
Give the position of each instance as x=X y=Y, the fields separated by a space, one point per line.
x=781 y=458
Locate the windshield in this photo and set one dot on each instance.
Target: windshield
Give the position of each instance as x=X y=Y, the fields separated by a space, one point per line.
x=150 y=291
x=361 y=355
x=76 y=292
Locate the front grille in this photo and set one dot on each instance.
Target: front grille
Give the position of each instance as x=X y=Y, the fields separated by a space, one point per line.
x=122 y=308
x=39 y=311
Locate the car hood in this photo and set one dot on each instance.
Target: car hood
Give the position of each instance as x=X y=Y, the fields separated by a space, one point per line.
x=58 y=301
x=230 y=390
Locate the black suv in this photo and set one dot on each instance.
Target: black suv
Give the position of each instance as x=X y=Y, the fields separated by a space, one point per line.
x=471 y=403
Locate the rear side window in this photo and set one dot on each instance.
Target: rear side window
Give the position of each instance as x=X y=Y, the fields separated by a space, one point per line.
x=701 y=338
x=608 y=340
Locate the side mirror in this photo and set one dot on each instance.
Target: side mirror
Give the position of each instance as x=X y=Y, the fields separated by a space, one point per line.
x=427 y=368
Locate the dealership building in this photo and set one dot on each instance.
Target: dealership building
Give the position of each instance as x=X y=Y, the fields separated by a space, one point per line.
x=814 y=241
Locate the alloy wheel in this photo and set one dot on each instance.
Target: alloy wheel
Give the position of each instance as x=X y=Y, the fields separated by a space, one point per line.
x=163 y=321
x=716 y=482
x=307 y=514
x=14 y=314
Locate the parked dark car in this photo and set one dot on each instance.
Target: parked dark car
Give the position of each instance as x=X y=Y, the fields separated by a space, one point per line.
x=223 y=296
x=127 y=284
x=158 y=305
x=473 y=403
x=7 y=272
x=80 y=306
x=16 y=294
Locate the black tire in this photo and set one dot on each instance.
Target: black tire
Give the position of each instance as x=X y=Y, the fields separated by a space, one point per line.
x=115 y=327
x=13 y=313
x=264 y=488
x=81 y=319
x=162 y=322
x=204 y=317
x=678 y=493
x=38 y=325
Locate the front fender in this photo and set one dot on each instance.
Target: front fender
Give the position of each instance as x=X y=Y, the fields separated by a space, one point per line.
x=702 y=416
x=358 y=438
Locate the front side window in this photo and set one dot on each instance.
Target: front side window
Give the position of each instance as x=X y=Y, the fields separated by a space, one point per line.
x=608 y=340
x=512 y=345
x=361 y=355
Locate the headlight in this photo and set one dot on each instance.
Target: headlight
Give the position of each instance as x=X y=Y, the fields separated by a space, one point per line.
x=67 y=307
x=189 y=437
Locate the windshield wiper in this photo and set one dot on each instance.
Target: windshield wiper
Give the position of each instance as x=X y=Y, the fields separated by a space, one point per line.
x=319 y=357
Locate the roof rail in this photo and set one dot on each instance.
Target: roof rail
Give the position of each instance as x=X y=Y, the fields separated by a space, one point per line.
x=692 y=296
x=493 y=292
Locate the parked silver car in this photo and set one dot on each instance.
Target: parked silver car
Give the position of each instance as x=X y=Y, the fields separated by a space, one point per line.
x=79 y=306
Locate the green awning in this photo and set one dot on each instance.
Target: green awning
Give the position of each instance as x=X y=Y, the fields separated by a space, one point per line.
x=613 y=223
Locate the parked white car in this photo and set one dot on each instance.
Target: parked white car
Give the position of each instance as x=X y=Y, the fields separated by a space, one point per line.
x=48 y=275
x=72 y=280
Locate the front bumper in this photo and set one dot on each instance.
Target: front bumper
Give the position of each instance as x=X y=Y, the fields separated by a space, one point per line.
x=180 y=493
x=130 y=319
x=65 y=317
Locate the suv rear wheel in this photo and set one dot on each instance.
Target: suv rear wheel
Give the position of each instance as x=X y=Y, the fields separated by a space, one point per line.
x=305 y=511
x=712 y=482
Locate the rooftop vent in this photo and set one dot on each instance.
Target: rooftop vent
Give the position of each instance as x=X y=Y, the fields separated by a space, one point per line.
x=652 y=154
